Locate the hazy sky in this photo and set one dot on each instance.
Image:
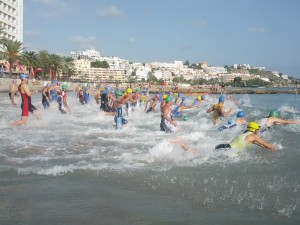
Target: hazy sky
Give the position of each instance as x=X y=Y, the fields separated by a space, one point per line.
x=220 y=32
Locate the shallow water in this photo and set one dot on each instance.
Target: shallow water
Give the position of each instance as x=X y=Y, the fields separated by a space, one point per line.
x=77 y=169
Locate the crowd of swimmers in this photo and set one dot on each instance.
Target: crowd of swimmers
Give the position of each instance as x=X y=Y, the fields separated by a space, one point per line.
x=118 y=103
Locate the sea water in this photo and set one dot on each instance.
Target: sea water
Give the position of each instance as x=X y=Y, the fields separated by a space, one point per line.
x=78 y=169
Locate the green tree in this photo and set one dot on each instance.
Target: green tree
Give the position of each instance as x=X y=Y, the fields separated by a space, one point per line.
x=151 y=78
x=11 y=50
x=54 y=65
x=237 y=81
x=30 y=60
x=67 y=68
x=43 y=57
x=256 y=83
x=99 y=64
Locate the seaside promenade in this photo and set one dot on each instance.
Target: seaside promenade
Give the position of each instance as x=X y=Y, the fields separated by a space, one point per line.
x=5 y=82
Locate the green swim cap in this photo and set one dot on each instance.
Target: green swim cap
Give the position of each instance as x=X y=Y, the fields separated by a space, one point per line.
x=274 y=113
x=169 y=98
x=64 y=87
x=118 y=93
x=185 y=118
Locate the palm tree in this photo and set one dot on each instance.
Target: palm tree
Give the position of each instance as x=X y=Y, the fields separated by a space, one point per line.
x=43 y=57
x=30 y=60
x=10 y=50
x=55 y=64
x=68 y=67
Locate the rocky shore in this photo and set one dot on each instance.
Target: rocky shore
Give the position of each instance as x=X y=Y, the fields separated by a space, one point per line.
x=5 y=82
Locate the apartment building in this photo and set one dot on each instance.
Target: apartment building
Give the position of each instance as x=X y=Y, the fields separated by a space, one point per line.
x=11 y=19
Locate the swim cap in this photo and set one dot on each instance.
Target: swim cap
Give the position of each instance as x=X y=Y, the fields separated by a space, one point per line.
x=53 y=81
x=252 y=126
x=274 y=113
x=88 y=85
x=83 y=86
x=183 y=98
x=137 y=89
x=240 y=114
x=199 y=98
x=23 y=76
x=169 y=98
x=118 y=93
x=129 y=90
x=165 y=96
x=108 y=88
x=64 y=87
x=221 y=99
x=185 y=118
x=202 y=97
x=179 y=94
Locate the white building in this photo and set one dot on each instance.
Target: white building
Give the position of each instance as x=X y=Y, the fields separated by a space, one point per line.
x=214 y=70
x=88 y=54
x=11 y=19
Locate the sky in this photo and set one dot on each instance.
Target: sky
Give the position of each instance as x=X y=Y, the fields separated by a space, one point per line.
x=262 y=33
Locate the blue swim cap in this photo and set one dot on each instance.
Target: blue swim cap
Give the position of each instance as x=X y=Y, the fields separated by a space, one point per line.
x=183 y=98
x=53 y=81
x=221 y=99
x=179 y=94
x=23 y=76
x=202 y=97
x=240 y=114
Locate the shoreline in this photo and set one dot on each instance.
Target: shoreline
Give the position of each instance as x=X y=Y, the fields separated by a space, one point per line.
x=5 y=82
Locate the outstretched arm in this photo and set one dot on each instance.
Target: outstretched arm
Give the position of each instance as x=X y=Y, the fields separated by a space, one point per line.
x=281 y=121
x=255 y=139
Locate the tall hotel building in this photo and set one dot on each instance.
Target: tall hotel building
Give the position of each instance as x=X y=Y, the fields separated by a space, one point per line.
x=11 y=19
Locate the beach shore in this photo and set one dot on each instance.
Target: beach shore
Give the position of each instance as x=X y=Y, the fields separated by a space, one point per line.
x=38 y=85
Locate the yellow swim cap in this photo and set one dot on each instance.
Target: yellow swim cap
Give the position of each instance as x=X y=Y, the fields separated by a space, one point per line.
x=199 y=98
x=252 y=126
x=165 y=96
x=129 y=90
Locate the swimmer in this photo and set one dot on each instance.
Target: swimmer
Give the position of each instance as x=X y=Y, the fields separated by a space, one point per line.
x=52 y=91
x=163 y=102
x=178 y=99
x=219 y=110
x=26 y=100
x=177 y=110
x=235 y=121
x=81 y=95
x=107 y=100
x=245 y=140
x=13 y=89
x=45 y=96
x=167 y=123
x=119 y=119
x=62 y=100
x=198 y=100
x=153 y=103
x=273 y=119
x=86 y=93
